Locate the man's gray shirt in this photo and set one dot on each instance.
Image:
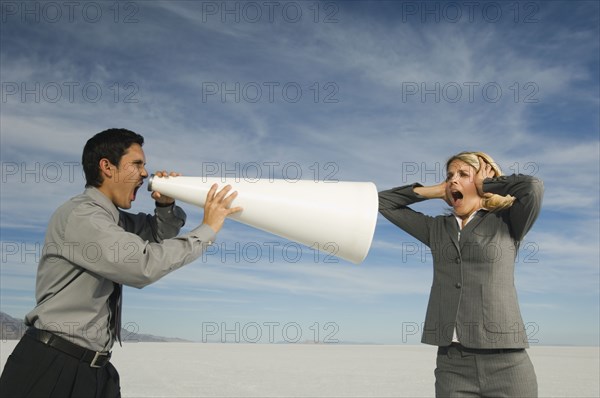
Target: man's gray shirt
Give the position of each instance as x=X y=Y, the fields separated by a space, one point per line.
x=89 y=246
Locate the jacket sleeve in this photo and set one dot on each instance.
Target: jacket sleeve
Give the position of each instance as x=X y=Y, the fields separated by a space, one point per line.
x=98 y=244
x=393 y=205
x=528 y=192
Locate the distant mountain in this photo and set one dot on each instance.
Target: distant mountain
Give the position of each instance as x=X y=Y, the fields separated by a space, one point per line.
x=134 y=337
x=11 y=328
x=14 y=328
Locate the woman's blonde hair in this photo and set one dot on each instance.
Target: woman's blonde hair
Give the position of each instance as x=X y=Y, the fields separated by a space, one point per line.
x=491 y=202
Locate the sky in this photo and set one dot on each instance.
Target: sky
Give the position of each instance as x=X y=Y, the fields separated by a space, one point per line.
x=330 y=91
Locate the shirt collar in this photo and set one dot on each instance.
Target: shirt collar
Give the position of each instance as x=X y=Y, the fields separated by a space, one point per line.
x=103 y=201
x=459 y=220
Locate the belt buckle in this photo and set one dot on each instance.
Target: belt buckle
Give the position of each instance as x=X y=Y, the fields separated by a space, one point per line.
x=100 y=359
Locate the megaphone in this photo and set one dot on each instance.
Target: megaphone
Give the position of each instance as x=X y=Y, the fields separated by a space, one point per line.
x=333 y=217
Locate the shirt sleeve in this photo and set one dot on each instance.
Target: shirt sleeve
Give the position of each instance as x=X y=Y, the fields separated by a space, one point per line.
x=97 y=244
x=528 y=192
x=393 y=205
x=164 y=224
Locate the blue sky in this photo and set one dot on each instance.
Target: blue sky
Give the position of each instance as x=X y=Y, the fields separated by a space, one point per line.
x=353 y=91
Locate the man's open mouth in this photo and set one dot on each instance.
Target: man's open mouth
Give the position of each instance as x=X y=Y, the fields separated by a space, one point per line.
x=139 y=185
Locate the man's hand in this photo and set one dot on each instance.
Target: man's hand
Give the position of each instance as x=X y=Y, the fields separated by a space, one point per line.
x=217 y=206
x=163 y=199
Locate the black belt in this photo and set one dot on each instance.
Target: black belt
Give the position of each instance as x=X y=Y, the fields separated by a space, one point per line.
x=479 y=351
x=96 y=359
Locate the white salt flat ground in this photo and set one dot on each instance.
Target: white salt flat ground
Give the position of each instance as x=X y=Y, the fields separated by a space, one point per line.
x=288 y=370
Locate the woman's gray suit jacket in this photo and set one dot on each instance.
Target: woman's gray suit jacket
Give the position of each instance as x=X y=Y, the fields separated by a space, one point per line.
x=473 y=283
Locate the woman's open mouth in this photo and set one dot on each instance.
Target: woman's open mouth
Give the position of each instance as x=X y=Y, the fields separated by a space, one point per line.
x=456 y=197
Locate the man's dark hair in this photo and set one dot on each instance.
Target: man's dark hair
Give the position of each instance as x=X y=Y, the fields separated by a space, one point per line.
x=110 y=144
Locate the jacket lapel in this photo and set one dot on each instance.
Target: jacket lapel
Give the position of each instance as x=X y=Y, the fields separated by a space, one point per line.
x=452 y=228
x=471 y=225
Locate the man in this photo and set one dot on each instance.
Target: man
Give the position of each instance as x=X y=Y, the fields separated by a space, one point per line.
x=91 y=249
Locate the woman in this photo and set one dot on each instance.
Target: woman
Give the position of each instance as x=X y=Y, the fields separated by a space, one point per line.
x=473 y=314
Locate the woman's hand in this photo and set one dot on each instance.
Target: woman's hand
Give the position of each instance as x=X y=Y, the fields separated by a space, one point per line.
x=485 y=171
x=434 y=192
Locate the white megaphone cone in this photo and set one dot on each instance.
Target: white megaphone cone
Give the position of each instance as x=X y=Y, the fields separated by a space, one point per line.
x=334 y=217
